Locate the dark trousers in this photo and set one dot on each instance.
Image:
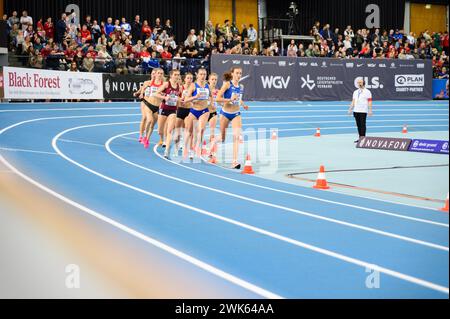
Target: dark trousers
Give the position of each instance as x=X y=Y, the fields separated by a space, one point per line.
x=360 y=119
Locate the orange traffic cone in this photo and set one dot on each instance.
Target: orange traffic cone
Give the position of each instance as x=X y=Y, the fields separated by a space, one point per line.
x=317 y=133
x=445 y=208
x=248 y=169
x=405 y=129
x=321 y=182
x=204 y=150
x=274 y=135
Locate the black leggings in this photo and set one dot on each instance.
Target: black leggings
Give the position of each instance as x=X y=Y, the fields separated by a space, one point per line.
x=360 y=119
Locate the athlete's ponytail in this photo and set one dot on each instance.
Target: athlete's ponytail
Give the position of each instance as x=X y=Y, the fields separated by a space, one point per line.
x=228 y=76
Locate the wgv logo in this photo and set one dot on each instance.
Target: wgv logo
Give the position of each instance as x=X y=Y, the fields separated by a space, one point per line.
x=277 y=82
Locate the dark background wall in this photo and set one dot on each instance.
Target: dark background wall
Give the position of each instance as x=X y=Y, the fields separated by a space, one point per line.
x=184 y=14
x=340 y=13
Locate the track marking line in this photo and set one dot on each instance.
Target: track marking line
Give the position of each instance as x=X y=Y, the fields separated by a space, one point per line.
x=344 y=115
x=319 y=250
x=70 y=109
x=79 y=142
x=349 y=121
x=26 y=151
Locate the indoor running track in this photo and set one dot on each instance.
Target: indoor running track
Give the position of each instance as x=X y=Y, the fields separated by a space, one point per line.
x=270 y=238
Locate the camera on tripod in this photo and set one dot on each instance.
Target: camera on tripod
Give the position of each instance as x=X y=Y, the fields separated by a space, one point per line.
x=292 y=14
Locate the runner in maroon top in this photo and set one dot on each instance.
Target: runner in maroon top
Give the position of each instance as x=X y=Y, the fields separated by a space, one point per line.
x=170 y=93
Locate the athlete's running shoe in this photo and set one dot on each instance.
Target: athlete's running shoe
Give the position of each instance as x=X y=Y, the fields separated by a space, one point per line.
x=146 y=142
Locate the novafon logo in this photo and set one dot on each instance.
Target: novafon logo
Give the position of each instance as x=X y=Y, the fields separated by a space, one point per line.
x=277 y=82
x=371 y=83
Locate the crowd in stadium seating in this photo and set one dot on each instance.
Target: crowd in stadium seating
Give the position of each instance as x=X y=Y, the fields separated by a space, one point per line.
x=137 y=47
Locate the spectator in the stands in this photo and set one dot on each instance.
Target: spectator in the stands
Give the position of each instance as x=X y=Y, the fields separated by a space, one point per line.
x=12 y=20
x=443 y=74
x=132 y=64
x=136 y=28
x=25 y=20
x=349 y=32
x=158 y=27
x=146 y=30
x=88 y=63
x=168 y=27
x=252 y=36
x=73 y=67
x=124 y=25
x=109 y=27
x=190 y=38
x=292 y=49
x=61 y=28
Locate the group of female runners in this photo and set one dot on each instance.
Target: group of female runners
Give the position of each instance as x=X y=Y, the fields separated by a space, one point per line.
x=183 y=108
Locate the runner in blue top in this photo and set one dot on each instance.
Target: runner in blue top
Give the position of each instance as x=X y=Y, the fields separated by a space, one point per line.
x=231 y=96
x=200 y=94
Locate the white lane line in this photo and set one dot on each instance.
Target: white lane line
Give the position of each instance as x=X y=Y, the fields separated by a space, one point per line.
x=353 y=127
x=62 y=118
x=344 y=105
x=319 y=250
x=80 y=142
x=70 y=109
x=311 y=197
x=26 y=151
x=344 y=115
x=377 y=111
x=349 y=121
x=194 y=261
x=299 y=212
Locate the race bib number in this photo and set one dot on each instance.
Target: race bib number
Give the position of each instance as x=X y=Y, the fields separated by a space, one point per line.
x=173 y=99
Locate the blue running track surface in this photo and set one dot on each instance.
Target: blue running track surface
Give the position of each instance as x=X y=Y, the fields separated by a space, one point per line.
x=271 y=238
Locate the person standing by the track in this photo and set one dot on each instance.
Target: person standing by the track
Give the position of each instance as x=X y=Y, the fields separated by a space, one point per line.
x=361 y=107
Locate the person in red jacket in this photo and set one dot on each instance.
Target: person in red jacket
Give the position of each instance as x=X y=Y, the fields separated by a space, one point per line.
x=86 y=34
x=166 y=54
x=146 y=30
x=49 y=28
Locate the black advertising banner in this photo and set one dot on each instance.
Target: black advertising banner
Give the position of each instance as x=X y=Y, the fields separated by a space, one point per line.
x=283 y=78
x=117 y=86
x=273 y=77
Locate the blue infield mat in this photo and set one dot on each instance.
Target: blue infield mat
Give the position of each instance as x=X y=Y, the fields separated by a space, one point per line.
x=267 y=234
